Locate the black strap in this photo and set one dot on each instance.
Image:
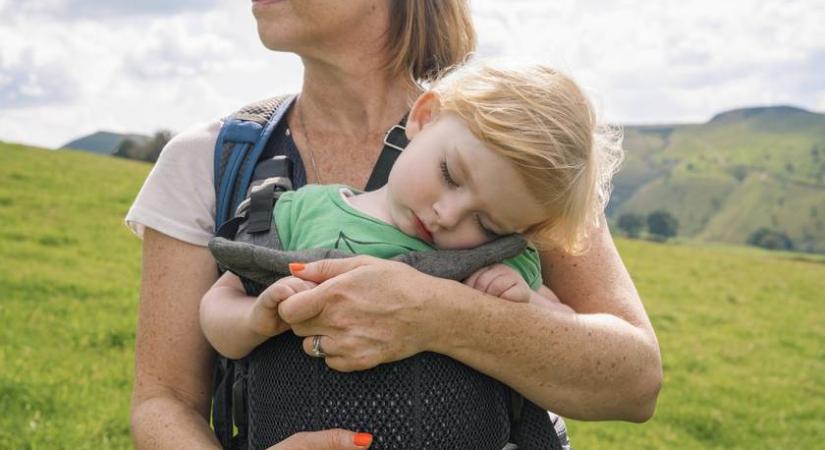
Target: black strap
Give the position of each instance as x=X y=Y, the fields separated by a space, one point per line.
x=516 y=411
x=260 y=209
x=222 y=393
x=394 y=142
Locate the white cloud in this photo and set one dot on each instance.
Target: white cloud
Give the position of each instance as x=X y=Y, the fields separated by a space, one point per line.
x=142 y=66
x=85 y=9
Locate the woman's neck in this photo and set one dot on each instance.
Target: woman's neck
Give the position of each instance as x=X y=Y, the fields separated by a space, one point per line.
x=356 y=100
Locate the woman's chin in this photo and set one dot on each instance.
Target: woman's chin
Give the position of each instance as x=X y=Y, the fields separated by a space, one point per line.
x=265 y=3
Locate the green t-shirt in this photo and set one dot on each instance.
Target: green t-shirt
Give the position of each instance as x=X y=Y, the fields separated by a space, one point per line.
x=316 y=216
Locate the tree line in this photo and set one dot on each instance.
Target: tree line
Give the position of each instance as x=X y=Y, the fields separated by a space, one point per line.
x=661 y=225
x=144 y=151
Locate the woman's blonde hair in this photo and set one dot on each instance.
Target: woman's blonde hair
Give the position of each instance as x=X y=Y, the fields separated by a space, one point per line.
x=541 y=121
x=426 y=37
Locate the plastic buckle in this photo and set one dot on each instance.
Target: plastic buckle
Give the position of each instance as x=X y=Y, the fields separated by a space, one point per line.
x=387 y=137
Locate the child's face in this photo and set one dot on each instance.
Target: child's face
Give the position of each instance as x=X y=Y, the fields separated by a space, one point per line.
x=448 y=189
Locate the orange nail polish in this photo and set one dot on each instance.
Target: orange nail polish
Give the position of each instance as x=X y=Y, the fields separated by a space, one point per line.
x=362 y=439
x=296 y=267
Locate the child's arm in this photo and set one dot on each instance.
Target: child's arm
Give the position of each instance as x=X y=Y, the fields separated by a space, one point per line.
x=235 y=323
x=501 y=281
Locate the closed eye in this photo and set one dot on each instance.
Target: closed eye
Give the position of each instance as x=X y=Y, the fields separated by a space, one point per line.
x=445 y=172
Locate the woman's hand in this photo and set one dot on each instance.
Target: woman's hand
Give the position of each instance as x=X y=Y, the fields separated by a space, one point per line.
x=367 y=311
x=325 y=440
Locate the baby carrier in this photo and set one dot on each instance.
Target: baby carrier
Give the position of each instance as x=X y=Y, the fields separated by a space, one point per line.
x=427 y=401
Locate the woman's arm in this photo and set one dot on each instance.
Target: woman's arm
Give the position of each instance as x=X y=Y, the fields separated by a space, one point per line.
x=173 y=360
x=601 y=363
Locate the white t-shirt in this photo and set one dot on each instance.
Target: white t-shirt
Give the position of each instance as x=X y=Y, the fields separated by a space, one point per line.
x=178 y=197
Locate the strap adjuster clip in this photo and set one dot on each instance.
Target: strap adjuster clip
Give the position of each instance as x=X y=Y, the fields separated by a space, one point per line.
x=392 y=145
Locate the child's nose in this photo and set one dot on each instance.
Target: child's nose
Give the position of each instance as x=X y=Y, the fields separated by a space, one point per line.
x=449 y=213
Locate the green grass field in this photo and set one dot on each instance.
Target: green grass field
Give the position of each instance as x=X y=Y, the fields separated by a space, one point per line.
x=741 y=330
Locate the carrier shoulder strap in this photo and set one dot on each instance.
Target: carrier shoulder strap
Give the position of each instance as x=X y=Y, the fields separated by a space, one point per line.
x=241 y=141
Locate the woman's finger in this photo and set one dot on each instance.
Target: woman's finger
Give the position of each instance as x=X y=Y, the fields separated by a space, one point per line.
x=336 y=439
x=299 y=285
x=325 y=346
x=302 y=306
x=323 y=270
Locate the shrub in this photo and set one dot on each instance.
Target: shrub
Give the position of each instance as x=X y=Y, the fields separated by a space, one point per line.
x=631 y=224
x=770 y=239
x=662 y=225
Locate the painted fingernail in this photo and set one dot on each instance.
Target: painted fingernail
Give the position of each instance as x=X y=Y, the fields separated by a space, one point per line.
x=296 y=267
x=362 y=440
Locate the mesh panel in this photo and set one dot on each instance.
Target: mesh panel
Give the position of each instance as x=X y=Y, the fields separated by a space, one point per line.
x=259 y=112
x=227 y=150
x=536 y=431
x=428 y=401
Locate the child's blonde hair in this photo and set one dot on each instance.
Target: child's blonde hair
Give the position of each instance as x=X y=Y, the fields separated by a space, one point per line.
x=540 y=120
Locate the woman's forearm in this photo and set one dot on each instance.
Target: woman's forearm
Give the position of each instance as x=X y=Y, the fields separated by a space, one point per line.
x=165 y=422
x=585 y=366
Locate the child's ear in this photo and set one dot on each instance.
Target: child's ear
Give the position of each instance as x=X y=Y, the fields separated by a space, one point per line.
x=423 y=112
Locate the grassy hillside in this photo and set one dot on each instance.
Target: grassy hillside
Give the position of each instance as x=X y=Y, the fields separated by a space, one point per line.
x=740 y=329
x=745 y=169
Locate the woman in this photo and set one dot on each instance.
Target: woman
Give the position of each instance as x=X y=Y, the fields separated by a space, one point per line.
x=360 y=57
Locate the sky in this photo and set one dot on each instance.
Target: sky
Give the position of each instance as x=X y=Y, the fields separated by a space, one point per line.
x=72 y=67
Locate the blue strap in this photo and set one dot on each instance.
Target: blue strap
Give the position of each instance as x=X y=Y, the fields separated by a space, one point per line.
x=224 y=207
x=260 y=145
x=241 y=143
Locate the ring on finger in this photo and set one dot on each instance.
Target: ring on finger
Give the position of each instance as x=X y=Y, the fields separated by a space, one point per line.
x=316 y=347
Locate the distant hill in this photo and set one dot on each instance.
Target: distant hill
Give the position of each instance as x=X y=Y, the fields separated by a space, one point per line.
x=724 y=179
x=104 y=142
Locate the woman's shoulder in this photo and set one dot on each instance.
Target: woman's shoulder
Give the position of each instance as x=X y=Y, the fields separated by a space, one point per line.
x=195 y=142
x=178 y=196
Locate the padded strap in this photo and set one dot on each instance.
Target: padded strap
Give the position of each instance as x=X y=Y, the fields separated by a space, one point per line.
x=240 y=142
x=260 y=209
